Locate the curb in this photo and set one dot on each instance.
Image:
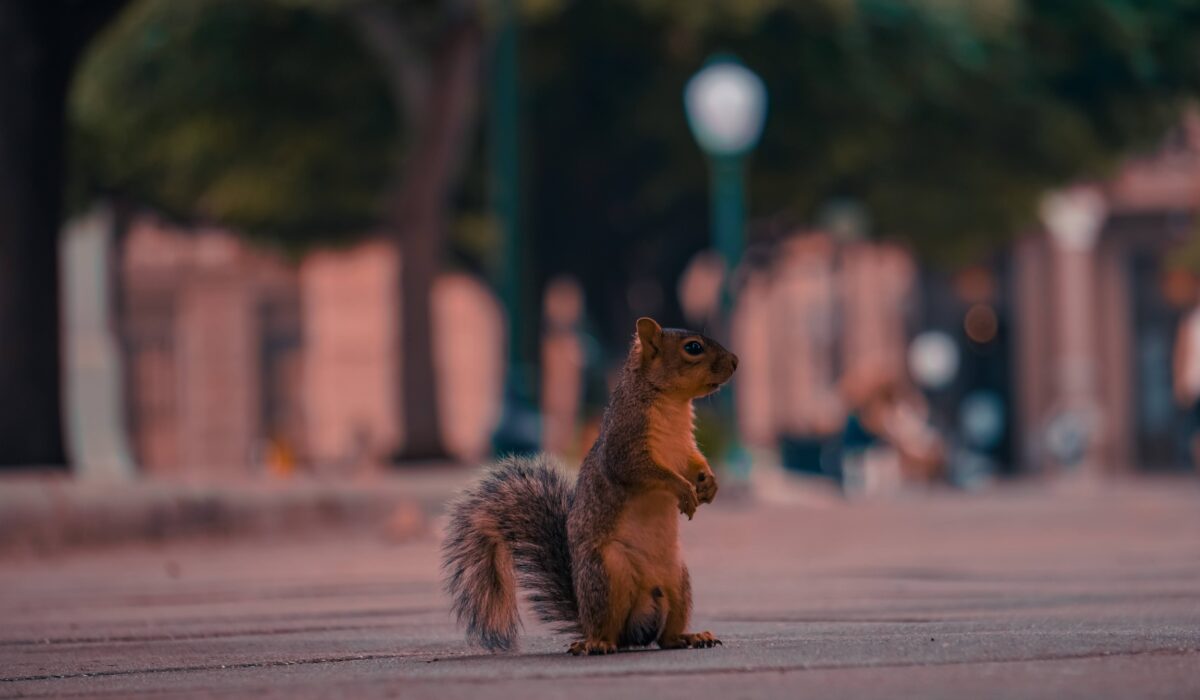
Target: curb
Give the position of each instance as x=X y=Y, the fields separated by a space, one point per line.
x=43 y=515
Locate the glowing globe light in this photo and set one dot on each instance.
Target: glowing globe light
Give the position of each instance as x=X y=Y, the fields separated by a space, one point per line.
x=933 y=359
x=726 y=106
x=1074 y=217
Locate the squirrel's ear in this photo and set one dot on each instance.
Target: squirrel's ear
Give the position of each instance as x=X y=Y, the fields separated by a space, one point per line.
x=650 y=333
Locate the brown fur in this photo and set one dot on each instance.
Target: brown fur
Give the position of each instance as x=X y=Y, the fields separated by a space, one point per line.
x=601 y=558
x=496 y=610
x=623 y=528
x=514 y=521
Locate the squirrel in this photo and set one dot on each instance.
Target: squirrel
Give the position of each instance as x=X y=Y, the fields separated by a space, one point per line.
x=600 y=560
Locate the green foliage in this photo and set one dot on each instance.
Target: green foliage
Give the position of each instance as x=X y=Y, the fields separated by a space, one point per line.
x=946 y=119
x=265 y=117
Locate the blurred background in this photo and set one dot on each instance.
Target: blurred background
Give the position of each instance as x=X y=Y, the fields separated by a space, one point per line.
x=953 y=241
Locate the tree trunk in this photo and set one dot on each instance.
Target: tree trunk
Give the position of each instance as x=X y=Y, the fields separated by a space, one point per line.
x=419 y=220
x=39 y=43
x=32 y=90
x=439 y=109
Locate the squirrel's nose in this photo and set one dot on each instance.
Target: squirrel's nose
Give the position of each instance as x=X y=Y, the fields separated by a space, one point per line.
x=733 y=358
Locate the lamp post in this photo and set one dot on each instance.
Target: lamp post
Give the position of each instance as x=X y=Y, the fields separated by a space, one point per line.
x=519 y=428
x=726 y=105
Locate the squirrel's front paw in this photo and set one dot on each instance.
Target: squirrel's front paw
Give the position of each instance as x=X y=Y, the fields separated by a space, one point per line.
x=706 y=486
x=689 y=501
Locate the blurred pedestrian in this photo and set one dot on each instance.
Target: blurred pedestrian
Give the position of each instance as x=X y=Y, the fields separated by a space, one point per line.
x=1186 y=377
x=563 y=363
x=887 y=439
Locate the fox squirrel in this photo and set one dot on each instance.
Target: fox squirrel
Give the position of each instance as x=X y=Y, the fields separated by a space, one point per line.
x=601 y=560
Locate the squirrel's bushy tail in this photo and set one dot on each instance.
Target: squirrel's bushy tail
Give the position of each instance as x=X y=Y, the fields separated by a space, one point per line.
x=510 y=527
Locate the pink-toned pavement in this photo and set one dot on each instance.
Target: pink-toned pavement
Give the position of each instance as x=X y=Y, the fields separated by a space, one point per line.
x=1026 y=591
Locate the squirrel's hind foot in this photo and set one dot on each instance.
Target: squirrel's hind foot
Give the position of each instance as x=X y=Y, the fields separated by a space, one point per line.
x=592 y=648
x=691 y=640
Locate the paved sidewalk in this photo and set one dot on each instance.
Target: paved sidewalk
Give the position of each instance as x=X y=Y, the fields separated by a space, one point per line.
x=1022 y=592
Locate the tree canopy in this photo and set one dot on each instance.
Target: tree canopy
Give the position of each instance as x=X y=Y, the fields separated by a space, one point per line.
x=946 y=120
x=266 y=117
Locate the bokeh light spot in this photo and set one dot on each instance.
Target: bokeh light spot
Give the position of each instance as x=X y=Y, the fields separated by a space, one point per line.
x=981 y=324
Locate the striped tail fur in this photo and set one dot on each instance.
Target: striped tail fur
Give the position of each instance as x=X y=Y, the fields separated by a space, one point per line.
x=511 y=527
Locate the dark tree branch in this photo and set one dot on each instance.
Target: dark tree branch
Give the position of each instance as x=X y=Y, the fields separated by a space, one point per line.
x=385 y=33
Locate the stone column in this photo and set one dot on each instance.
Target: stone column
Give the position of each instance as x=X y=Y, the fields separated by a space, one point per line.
x=1074 y=218
x=563 y=364
x=219 y=347
x=97 y=437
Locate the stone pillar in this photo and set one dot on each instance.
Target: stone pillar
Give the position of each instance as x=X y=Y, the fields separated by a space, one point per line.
x=351 y=357
x=563 y=365
x=96 y=430
x=219 y=348
x=801 y=328
x=1074 y=218
x=1033 y=345
x=876 y=284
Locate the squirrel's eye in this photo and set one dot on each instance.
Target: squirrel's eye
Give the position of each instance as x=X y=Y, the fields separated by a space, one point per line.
x=693 y=348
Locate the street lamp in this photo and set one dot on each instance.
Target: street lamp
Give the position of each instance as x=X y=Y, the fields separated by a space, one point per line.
x=519 y=429
x=726 y=105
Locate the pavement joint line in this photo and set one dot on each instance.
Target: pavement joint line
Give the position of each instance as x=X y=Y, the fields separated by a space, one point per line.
x=751 y=619
x=206 y=667
x=283 y=593
x=391 y=612
x=1175 y=651
x=188 y=636
x=192 y=636
x=638 y=673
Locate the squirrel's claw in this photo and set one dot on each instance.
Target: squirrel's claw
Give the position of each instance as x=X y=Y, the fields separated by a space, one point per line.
x=591 y=648
x=691 y=640
x=702 y=640
x=689 y=501
x=706 y=487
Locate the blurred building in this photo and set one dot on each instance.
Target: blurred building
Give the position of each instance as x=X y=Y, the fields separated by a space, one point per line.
x=212 y=341
x=819 y=312
x=1063 y=340
x=238 y=361
x=1099 y=313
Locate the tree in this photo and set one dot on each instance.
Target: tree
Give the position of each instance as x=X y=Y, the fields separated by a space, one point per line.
x=298 y=123
x=268 y=119
x=40 y=43
x=438 y=89
x=946 y=121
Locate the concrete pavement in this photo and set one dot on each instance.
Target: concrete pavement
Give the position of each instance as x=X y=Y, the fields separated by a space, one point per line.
x=1021 y=592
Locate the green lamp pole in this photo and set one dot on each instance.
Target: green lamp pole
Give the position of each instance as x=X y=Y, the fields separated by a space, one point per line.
x=726 y=105
x=519 y=428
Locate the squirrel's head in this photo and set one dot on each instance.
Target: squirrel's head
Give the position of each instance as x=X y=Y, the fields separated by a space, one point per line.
x=681 y=363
